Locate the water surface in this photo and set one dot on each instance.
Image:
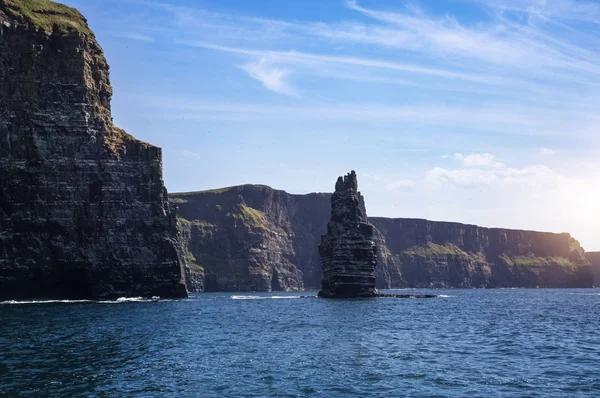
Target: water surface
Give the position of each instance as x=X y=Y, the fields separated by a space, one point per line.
x=512 y=343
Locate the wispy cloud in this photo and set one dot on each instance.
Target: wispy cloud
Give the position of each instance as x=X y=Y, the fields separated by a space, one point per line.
x=547 y=151
x=186 y=153
x=272 y=78
x=500 y=175
x=134 y=36
x=505 y=119
x=560 y=9
x=304 y=58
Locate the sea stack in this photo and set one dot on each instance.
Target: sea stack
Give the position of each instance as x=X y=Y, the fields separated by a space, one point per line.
x=83 y=207
x=348 y=253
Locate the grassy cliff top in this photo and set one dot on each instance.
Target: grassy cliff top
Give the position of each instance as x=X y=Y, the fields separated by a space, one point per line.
x=218 y=191
x=45 y=14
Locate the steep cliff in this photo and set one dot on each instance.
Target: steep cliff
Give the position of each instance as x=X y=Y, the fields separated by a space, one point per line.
x=411 y=253
x=253 y=237
x=442 y=254
x=594 y=259
x=83 y=208
x=347 y=250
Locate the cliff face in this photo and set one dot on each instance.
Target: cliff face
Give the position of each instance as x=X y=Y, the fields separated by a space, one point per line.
x=441 y=254
x=83 y=208
x=253 y=237
x=347 y=250
x=594 y=259
x=411 y=253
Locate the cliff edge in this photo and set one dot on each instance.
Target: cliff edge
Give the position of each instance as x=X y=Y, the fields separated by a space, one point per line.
x=230 y=250
x=83 y=208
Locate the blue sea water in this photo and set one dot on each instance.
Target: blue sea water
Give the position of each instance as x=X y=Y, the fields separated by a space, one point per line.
x=471 y=343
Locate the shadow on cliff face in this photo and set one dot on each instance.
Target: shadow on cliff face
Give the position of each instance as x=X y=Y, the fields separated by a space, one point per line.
x=411 y=252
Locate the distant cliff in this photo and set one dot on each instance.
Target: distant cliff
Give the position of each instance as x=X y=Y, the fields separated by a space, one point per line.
x=256 y=238
x=83 y=209
x=594 y=259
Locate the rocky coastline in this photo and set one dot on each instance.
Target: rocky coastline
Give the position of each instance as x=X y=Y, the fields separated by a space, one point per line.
x=283 y=239
x=84 y=212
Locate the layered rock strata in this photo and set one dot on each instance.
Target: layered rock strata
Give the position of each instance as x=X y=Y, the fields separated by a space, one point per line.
x=83 y=208
x=410 y=252
x=348 y=253
x=594 y=259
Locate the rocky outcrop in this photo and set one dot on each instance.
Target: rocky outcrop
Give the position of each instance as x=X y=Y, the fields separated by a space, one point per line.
x=83 y=207
x=347 y=250
x=594 y=259
x=411 y=252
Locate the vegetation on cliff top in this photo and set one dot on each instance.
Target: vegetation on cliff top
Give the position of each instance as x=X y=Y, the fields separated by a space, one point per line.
x=179 y=196
x=432 y=250
x=533 y=261
x=47 y=15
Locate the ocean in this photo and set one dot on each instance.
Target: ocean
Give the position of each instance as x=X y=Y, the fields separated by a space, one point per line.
x=467 y=343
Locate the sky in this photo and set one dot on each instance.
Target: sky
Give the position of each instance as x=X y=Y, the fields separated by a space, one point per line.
x=478 y=111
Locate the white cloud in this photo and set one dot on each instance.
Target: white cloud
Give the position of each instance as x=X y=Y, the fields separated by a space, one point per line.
x=559 y=9
x=399 y=185
x=477 y=160
x=547 y=151
x=272 y=78
x=317 y=60
x=531 y=177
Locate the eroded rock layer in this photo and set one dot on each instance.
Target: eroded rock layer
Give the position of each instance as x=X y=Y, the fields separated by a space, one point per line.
x=348 y=253
x=410 y=252
x=83 y=208
x=594 y=259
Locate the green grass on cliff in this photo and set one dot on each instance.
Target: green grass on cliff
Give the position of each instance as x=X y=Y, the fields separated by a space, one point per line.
x=533 y=261
x=197 y=223
x=218 y=191
x=249 y=217
x=47 y=15
x=433 y=250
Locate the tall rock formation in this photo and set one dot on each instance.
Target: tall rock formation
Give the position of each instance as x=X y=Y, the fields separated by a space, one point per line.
x=410 y=252
x=83 y=207
x=347 y=250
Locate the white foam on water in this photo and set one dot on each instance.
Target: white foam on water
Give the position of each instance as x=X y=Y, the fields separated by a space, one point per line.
x=263 y=297
x=120 y=300
x=247 y=297
x=25 y=302
x=444 y=296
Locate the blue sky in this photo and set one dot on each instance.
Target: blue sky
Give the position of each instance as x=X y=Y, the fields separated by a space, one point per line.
x=477 y=111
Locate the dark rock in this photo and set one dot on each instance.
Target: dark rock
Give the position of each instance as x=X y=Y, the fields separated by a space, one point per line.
x=452 y=255
x=83 y=207
x=348 y=253
x=411 y=252
x=594 y=259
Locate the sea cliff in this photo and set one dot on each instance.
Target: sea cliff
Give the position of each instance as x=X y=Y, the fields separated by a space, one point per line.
x=83 y=208
x=253 y=237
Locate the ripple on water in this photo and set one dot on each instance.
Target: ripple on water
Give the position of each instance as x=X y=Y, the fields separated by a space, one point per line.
x=509 y=343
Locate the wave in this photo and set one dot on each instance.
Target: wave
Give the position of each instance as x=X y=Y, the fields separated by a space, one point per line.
x=15 y=302
x=263 y=297
x=120 y=300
